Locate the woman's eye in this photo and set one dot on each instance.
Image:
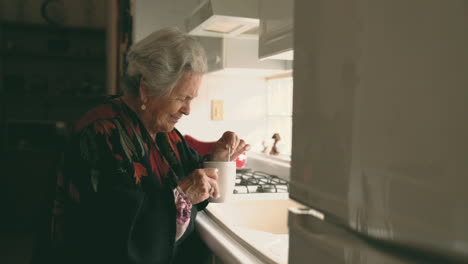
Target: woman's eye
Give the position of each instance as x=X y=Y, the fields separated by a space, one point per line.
x=182 y=99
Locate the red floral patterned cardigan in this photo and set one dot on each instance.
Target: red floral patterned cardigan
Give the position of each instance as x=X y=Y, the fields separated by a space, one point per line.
x=115 y=200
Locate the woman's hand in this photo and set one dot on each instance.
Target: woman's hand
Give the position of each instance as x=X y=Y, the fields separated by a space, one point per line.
x=200 y=184
x=229 y=142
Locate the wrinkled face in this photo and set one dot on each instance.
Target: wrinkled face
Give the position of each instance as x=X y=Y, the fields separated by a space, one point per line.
x=162 y=113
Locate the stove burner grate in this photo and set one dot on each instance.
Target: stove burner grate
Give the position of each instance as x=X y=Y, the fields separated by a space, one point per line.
x=259 y=182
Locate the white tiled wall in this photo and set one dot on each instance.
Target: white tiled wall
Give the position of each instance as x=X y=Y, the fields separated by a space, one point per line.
x=244 y=109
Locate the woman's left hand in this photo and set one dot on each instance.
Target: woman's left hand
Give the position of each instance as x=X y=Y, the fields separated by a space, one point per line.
x=229 y=142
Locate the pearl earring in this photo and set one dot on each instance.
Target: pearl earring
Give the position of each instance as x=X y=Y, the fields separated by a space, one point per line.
x=143 y=107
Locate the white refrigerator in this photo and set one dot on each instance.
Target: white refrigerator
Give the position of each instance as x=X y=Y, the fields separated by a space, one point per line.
x=380 y=131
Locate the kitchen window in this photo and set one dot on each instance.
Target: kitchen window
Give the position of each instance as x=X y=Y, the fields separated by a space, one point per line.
x=279 y=112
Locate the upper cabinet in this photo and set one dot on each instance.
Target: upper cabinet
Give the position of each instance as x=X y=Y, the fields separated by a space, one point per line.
x=276 y=29
x=239 y=56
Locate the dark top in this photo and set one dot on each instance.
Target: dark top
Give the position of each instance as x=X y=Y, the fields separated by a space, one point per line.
x=116 y=201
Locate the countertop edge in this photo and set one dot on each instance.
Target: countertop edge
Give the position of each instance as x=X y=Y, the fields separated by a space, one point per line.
x=221 y=243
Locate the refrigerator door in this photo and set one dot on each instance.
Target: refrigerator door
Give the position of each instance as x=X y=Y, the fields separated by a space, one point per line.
x=380 y=131
x=312 y=240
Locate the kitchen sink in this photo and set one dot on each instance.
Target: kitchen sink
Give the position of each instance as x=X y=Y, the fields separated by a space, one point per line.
x=259 y=226
x=263 y=215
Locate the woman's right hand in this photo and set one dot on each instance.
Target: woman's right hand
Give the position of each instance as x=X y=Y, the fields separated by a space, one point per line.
x=200 y=184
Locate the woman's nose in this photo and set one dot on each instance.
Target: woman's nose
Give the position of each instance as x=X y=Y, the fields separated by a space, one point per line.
x=186 y=108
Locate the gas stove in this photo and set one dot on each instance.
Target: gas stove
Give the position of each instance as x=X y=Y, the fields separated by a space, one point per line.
x=248 y=181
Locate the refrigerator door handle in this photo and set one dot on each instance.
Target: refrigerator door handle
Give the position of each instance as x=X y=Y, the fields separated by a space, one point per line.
x=310 y=223
x=311 y=236
x=305 y=211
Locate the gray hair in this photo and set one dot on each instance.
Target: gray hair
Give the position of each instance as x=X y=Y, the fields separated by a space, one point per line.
x=162 y=58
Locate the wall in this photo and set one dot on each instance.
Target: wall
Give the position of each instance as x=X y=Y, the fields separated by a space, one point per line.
x=244 y=109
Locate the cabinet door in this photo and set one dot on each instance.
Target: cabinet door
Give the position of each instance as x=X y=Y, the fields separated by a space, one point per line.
x=276 y=29
x=214 y=52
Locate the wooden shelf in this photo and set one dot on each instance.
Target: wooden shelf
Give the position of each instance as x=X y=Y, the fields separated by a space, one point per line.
x=49 y=56
x=49 y=72
x=17 y=26
x=45 y=98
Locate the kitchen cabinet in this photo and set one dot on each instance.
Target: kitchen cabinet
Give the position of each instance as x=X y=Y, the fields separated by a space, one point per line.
x=47 y=74
x=276 y=29
x=214 y=52
x=239 y=56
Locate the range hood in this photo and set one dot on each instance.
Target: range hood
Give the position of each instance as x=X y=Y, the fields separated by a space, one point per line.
x=225 y=18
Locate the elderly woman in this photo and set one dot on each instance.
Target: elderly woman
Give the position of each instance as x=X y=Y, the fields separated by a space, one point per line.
x=135 y=184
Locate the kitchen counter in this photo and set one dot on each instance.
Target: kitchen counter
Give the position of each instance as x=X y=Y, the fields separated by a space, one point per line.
x=275 y=165
x=247 y=230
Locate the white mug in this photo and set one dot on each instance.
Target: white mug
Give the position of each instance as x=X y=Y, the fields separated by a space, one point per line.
x=226 y=179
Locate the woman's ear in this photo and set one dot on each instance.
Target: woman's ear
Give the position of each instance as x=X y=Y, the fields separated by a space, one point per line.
x=143 y=94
